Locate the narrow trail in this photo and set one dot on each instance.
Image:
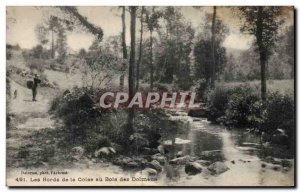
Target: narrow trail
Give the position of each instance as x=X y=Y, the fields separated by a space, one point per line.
x=27 y=117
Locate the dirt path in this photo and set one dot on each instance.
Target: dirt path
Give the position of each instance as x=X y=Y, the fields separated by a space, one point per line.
x=26 y=117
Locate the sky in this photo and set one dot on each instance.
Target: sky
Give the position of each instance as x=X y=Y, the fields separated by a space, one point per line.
x=21 y=23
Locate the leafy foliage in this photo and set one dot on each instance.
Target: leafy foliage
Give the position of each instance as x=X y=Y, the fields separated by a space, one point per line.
x=242 y=107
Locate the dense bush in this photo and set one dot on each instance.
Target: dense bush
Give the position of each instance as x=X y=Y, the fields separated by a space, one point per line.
x=217 y=104
x=86 y=126
x=242 y=107
x=280 y=115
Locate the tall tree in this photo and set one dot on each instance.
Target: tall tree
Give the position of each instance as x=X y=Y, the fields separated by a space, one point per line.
x=263 y=23
x=152 y=23
x=213 y=64
x=131 y=75
x=140 y=49
x=61 y=44
x=42 y=33
x=124 y=47
x=52 y=26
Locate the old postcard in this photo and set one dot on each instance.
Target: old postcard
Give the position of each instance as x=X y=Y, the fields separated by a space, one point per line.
x=150 y=96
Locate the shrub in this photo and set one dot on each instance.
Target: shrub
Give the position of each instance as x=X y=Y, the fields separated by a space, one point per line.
x=217 y=101
x=280 y=113
x=244 y=108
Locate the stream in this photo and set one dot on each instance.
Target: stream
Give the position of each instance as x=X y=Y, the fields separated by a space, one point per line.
x=239 y=151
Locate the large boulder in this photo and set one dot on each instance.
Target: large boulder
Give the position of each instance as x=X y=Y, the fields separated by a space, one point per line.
x=105 y=152
x=77 y=153
x=193 y=168
x=159 y=157
x=218 y=168
x=155 y=165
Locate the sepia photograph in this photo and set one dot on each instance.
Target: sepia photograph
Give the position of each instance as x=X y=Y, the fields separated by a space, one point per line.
x=150 y=96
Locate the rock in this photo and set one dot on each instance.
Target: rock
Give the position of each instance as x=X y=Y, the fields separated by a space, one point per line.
x=159 y=157
x=179 y=154
x=233 y=162
x=193 y=168
x=155 y=165
x=132 y=165
x=150 y=172
x=214 y=155
x=77 y=152
x=182 y=160
x=127 y=162
x=218 y=168
x=179 y=141
x=198 y=112
x=168 y=142
x=122 y=161
x=203 y=162
x=104 y=152
x=161 y=149
x=276 y=167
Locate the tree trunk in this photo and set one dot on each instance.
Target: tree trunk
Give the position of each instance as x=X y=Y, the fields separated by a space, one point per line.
x=52 y=44
x=151 y=60
x=262 y=53
x=131 y=77
x=213 y=64
x=263 y=61
x=125 y=55
x=140 y=52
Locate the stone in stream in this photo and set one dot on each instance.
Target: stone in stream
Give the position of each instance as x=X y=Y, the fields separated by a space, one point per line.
x=179 y=141
x=150 y=172
x=214 y=155
x=155 y=165
x=203 y=162
x=179 y=154
x=276 y=167
x=218 y=168
x=132 y=165
x=193 y=168
x=121 y=161
x=105 y=152
x=183 y=160
x=159 y=157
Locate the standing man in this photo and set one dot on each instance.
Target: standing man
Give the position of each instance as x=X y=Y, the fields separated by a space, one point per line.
x=36 y=81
